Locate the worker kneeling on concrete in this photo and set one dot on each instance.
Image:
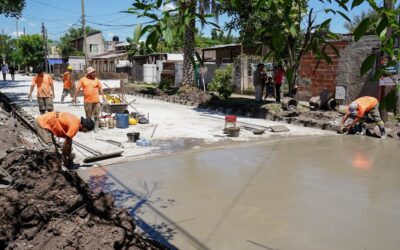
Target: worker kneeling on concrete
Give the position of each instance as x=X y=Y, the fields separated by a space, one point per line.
x=362 y=108
x=62 y=125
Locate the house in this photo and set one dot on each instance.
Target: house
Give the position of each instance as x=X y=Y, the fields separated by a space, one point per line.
x=95 y=44
x=150 y=68
x=220 y=55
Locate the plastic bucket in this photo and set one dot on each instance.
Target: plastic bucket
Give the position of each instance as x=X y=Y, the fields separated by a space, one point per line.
x=133 y=137
x=122 y=120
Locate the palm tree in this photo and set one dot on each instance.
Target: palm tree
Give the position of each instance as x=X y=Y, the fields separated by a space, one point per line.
x=203 y=7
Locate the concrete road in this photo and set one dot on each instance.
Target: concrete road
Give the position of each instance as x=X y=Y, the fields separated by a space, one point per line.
x=332 y=192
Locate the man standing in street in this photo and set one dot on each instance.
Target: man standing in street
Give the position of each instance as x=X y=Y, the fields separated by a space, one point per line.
x=69 y=84
x=45 y=90
x=278 y=79
x=63 y=125
x=360 y=109
x=4 y=70
x=12 y=72
x=92 y=89
x=259 y=78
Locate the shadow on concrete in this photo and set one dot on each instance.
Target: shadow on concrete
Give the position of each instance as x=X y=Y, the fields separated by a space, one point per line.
x=162 y=232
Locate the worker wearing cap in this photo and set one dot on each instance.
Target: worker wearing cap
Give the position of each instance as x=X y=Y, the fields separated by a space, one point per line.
x=69 y=85
x=362 y=107
x=92 y=89
x=62 y=125
x=45 y=90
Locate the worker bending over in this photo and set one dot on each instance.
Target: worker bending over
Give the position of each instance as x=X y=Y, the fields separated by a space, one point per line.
x=62 y=125
x=45 y=90
x=360 y=109
x=91 y=89
x=69 y=85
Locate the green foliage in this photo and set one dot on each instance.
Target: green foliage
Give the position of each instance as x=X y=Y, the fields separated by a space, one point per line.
x=171 y=26
x=12 y=7
x=31 y=47
x=222 y=82
x=351 y=25
x=6 y=46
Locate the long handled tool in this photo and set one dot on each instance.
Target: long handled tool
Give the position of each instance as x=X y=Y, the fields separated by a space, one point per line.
x=115 y=143
x=97 y=155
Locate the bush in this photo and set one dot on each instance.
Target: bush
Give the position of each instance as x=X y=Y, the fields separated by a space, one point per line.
x=222 y=82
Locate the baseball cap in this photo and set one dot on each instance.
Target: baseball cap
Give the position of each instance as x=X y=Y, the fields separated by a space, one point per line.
x=87 y=123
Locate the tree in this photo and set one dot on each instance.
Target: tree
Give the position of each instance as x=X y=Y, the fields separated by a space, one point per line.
x=12 y=8
x=5 y=47
x=184 y=19
x=31 y=47
x=351 y=26
x=288 y=28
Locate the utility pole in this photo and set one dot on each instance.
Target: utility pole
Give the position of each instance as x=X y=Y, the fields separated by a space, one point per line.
x=84 y=33
x=44 y=46
x=16 y=23
x=24 y=31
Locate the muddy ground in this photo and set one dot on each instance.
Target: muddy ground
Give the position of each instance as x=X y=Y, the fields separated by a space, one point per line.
x=49 y=208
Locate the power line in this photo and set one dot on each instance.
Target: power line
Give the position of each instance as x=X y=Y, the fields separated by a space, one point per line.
x=55 y=7
x=118 y=25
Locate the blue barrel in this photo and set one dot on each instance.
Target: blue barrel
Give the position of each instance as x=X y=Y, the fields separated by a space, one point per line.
x=122 y=120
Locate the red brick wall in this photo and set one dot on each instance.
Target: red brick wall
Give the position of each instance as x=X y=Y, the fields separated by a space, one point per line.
x=316 y=75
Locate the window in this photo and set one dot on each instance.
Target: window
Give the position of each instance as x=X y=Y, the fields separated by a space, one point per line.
x=94 y=48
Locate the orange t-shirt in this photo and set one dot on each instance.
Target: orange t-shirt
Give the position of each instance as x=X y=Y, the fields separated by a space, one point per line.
x=365 y=104
x=67 y=80
x=44 y=85
x=61 y=124
x=91 y=89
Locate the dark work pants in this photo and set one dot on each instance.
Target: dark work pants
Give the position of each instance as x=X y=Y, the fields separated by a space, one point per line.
x=278 y=92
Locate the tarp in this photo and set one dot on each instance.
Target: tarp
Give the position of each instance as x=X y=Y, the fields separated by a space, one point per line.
x=53 y=61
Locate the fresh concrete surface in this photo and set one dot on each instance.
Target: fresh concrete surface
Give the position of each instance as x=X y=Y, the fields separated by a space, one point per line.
x=332 y=192
x=179 y=127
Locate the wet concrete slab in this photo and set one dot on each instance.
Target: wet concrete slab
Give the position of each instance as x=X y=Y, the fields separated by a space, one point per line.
x=339 y=192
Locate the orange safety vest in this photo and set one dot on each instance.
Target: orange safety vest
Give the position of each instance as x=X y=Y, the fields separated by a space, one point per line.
x=67 y=80
x=61 y=124
x=365 y=104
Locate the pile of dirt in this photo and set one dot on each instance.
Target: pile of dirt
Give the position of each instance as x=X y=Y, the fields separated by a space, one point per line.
x=14 y=135
x=48 y=208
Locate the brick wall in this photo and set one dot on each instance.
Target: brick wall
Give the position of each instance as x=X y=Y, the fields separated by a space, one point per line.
x=317 y=75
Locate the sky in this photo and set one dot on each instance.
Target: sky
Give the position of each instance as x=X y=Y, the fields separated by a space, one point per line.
x=58 y=16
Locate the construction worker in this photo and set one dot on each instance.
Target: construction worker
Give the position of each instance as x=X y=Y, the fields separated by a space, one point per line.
x=91 y=89
x=69 y=85
x=62 y=125
x=360 y=109
x=45 y=90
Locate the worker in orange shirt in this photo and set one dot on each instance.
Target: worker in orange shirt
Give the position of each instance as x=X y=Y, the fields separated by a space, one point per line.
x=62 y=125
x=362 y=108
x=69 y=85
x=92 y=89
x=45 y=90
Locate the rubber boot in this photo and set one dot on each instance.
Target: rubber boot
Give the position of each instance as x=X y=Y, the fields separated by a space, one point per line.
x=96 y=125
x=383 y=132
